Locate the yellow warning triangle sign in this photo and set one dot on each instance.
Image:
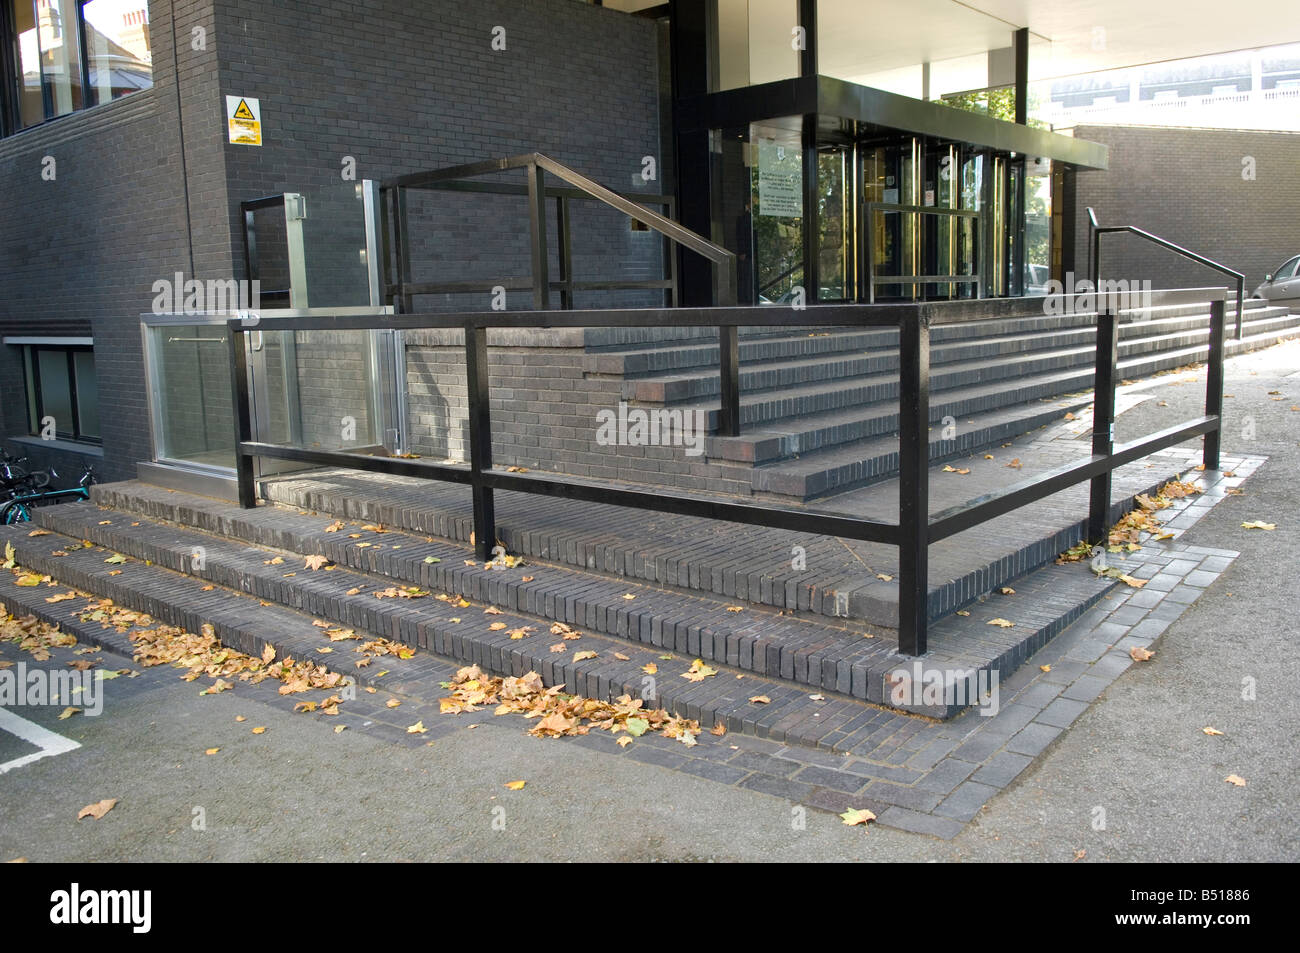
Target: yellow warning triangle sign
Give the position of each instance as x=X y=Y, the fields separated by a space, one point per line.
x=242 y=111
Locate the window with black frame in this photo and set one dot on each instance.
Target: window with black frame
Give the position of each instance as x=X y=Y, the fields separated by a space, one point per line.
x=60 y=56
x=62 y=396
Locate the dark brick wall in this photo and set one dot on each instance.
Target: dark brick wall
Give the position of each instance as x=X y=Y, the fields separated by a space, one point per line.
x=404 y=87
x=1186 y=185
x=82 y=252
x=399 y=86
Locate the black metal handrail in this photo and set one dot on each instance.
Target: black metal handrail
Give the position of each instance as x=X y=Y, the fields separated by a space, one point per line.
x=536 y=165
x=1096 y=231
x=915 y=530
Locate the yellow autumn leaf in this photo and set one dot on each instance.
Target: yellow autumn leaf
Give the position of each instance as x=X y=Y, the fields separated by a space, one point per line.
x=579 y=656
x=760 y=700
x=1002 y=623
x=852 y=817
x=1259 y=524
x=516 y=785
x=1211 y=731
x=1138 y=654
x=417 y=728
x=260 y=730
x=1234 y=779
x=98 y=809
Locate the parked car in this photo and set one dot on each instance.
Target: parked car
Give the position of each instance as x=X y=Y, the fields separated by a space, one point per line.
x=1036 y=279
x=1283 y=286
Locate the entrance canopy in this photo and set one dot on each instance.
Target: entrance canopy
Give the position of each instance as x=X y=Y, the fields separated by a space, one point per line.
x=827 y=96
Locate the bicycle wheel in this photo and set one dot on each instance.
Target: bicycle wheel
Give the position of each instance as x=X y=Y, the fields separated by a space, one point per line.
x=15 y=513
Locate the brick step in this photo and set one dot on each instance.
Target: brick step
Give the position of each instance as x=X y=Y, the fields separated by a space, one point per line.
x=248 y=624
x=665 y=357
x=837 y=578
x=862 y=462
x=1070 y=370
x=985 y=358
x=233 y=584
x=842 y=463
x=235 y=545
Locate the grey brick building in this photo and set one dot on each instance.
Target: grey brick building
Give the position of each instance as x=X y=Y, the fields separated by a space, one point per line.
x=126 y=177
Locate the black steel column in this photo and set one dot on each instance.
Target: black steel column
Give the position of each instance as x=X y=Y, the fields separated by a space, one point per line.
x=537 y=234
x=480 y=438
x=1214 y=383
x=808 y=20
x=729 y=372
x=1103 y=414
x=691 y=59
x=1020 y=50
x=247 y=487
x=914 y=484
x=812 y=243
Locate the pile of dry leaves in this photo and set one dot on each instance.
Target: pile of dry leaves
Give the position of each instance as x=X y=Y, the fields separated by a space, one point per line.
x=558 y=713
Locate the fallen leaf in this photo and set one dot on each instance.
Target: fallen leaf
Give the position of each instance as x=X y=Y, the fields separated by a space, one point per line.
x=392 y=703
x=884 y=576
x=624 y=741
x=1002 y=623
x=580 y=656
x=852 y=817
x=1211 y=731
x=719 y=729
x=1138 y=654
x=339 y=729
x=1045 y=668
x=212 y=751
x=698 y=671
x=650 y=668
x=759 y=700
x=316 y=562
x=1015 y=464
x=68 y=713
x=1007 y=591
x=260 y=730
x=1259 y=524
x=100 y=808
x=516 y=785
x=1234 y=779
x=417 y=728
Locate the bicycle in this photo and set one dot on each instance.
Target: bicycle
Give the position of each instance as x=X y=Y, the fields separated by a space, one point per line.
x=25 y=489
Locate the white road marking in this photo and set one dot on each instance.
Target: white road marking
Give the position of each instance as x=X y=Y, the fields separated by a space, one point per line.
x=49 y=742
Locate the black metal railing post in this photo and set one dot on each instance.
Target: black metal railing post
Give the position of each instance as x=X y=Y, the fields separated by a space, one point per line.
x=537 y=235
x=1241 y=304
x=724 y=293
x=402 y=241
x=1214 y=382
x=480 y=437
x=247 y=487
x=1103 y=413
x=565 y=251
x=913 y=483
